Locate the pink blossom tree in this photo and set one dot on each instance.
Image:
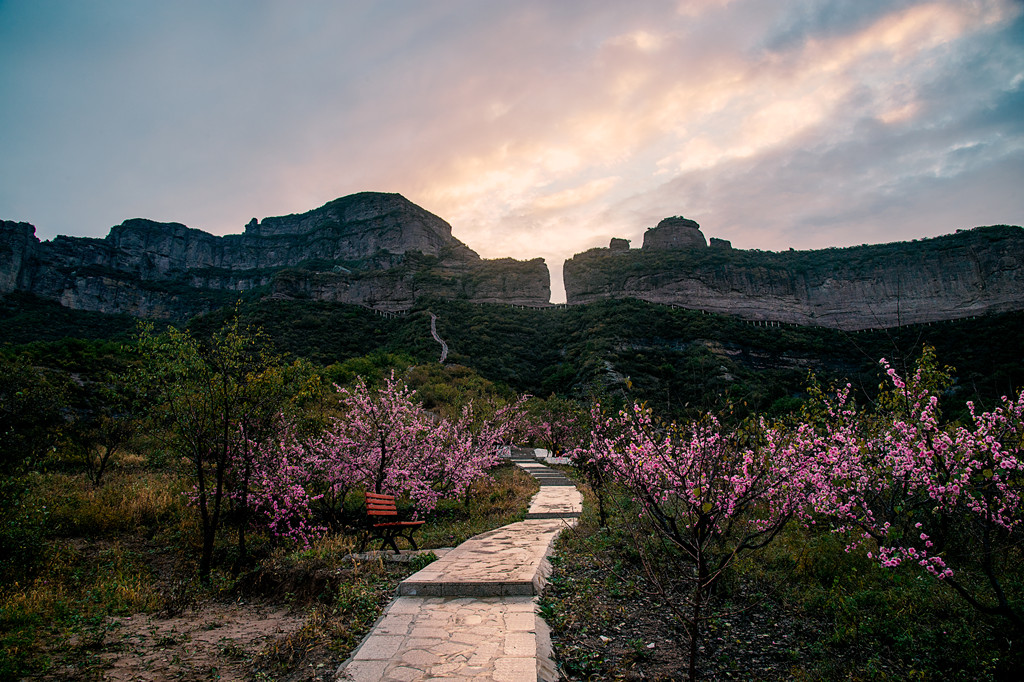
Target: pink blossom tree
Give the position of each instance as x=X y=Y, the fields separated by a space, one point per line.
x=472 y=445
x=912 y=489
x=283 y=472
x=383 y=442
x=559 y=424
x=387 y=438
x=714 y=494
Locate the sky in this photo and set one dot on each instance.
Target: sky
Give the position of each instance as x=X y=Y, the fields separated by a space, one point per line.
x=536 y=128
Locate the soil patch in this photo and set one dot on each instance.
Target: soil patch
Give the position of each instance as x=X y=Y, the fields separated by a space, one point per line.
x=216 y=641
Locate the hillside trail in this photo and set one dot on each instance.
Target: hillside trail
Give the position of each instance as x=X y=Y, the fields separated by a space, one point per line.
x=433 y=332
x=472 y=614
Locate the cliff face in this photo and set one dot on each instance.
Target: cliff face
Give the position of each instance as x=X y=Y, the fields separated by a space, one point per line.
x=396 y=289
x=972 y=272
x=373 y=249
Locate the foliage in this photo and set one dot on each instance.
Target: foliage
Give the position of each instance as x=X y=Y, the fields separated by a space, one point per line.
x=26 y=318
x=22 y=529
x=944 y=497
x=105 y=425
x=681 y=362
x=32 y=403
x=324 y=333
x=372 y=368
x=445 y=389
x=219 y=399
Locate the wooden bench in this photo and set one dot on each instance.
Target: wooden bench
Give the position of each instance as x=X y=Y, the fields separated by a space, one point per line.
x=383 y=507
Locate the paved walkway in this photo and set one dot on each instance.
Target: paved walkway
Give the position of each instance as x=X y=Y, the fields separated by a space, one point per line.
x=471 y=615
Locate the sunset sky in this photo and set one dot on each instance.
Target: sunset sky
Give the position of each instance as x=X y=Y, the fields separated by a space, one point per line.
x=536 y=128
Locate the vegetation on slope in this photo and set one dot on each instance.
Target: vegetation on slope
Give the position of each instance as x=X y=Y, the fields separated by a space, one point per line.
x=681 y=361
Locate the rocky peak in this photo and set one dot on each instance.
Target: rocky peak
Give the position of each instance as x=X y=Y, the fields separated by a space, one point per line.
x=17 y=244
x=676 y=232
x=375 y=220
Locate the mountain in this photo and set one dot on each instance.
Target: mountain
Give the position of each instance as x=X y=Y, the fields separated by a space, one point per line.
x=383 y=252
x=972 y=272
x=373 y=249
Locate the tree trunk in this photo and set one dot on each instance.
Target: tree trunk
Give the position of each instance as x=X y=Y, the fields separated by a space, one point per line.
x=240 y=560
x=206 y=557
x=243 y=513
x=698 y=607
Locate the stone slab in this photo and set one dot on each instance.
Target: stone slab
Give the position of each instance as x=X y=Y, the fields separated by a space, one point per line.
x=510 y=560
x=470 y=639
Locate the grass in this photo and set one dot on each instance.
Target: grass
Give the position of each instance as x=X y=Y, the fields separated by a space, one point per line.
x=70 y=600
x=128 y=547
x=802 y=608
x=492 y=503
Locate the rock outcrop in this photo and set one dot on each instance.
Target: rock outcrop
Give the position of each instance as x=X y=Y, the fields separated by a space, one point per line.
x=972 y=272
x=675 y=233
x=373 y=249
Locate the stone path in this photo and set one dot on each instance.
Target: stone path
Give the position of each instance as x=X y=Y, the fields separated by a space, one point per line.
x=471 y=615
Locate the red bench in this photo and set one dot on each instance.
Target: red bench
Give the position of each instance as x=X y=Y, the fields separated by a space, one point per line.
x=383 y=507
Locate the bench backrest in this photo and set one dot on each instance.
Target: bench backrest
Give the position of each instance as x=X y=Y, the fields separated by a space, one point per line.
x=380 y=505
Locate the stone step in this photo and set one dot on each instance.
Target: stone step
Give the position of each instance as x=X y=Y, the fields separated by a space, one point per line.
x=552 y=515
x=456 y=639
x=508 y=561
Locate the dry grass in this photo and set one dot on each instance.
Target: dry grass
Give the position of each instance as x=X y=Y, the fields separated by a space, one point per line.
x=125 y=549
x=126 y=502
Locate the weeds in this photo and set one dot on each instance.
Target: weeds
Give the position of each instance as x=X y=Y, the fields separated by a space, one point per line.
x=86 y=556
x=71 y=600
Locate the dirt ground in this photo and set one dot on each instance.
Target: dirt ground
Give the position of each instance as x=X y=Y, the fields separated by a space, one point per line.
x=214 y=642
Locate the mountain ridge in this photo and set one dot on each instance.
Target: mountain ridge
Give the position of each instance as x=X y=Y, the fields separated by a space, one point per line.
x=384 y=252
x=971 y=272
x=373 y=249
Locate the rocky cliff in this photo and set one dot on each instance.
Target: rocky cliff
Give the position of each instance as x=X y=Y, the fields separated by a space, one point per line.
x=373 y=249
x=972 y=272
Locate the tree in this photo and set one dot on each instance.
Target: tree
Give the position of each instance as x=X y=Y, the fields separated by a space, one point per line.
x=108 y=422
x=383 y=441
x=217 y=397
x=559 y=424
x=32 y=414
x=387 y=437
x=563 y=425
x=284 y=473
x=386 y=442
x=472 y=445
x=712 y=494
x=913 y=489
